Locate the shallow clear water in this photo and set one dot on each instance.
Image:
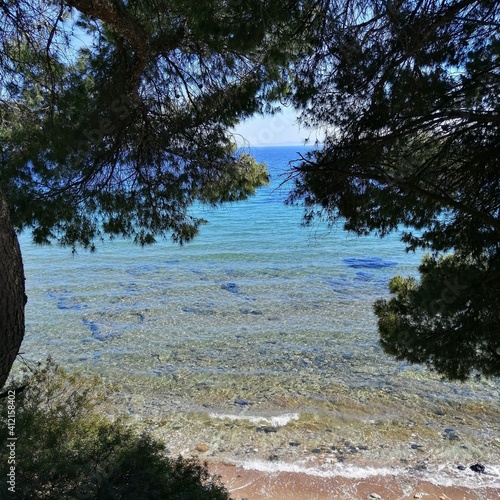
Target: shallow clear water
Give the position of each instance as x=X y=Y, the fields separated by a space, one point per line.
x=254 y=273
x=257 y=316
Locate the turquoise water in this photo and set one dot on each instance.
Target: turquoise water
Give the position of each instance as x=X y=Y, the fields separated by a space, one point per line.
x=253 y=273
x=258 y=316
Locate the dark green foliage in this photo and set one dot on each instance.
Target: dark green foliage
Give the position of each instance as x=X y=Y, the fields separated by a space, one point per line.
x=123 y=133
x=67 y=448
x=409 y=95
x=412 y=93
x=449 y=320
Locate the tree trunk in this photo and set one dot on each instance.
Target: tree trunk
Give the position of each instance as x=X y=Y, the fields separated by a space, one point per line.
x=12 y=293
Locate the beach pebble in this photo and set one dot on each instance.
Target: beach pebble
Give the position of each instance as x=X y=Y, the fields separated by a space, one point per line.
x=479 y=468
x=374 y=496
x=267 y=429
x=418 y=495
x=294 y=443
x=241 y=402
x=202 y=448
x=451 y=434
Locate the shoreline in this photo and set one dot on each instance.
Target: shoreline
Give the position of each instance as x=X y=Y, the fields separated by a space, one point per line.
x=348 y=445
x=352 y=445
x=251 y=484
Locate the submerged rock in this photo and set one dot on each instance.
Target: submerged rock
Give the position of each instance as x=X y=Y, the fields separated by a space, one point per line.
x=451 y=434
x=267 y=429
x=65 y=304
x=369 y=262
x=241 y=402
x=230 y=287
x=364 y=276
x=94 y=329
x=254 y=312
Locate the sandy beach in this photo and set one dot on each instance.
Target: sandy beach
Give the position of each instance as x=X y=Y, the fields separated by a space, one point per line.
x=247 y=484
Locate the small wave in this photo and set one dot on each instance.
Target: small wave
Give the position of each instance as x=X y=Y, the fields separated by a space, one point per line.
x=447 y=475
x=338 y=470
x=441 y=475
x=276 y=421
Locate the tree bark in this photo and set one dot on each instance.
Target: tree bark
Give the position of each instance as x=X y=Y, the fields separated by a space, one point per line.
x=12 y=293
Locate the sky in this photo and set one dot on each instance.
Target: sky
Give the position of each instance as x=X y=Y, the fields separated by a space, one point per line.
x=281 y=129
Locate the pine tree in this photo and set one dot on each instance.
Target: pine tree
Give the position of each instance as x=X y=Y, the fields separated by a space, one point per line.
x=408 y=94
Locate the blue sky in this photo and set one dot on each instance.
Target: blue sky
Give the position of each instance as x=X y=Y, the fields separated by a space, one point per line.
x=281 y=129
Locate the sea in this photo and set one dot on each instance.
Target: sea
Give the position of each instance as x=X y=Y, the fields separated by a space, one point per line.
x=258 y=339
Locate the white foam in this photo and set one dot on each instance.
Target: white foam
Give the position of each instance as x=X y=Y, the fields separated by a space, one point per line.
x=337 y=470
x=447 y=475
x=276 y=421
x=441 y=475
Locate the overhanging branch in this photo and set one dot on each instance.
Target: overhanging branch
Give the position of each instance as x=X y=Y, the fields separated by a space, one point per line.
x=115 y=15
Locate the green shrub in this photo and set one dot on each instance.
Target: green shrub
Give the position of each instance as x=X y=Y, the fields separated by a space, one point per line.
x=68 y=448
